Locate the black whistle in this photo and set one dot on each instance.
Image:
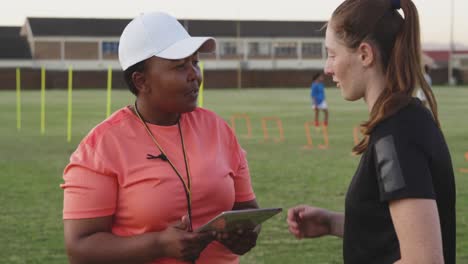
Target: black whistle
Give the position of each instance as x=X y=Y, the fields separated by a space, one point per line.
x=160 y=156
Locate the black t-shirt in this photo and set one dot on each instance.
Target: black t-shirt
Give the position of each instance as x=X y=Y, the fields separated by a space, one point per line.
x=407 y=157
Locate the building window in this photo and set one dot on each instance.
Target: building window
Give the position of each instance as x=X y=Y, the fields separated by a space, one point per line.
x=259 y=49
x=81 y=50
x=47 y=50
x=228 y=48
x=110 y=47
x=312 y=50
x=286 y=50
x=464 y=62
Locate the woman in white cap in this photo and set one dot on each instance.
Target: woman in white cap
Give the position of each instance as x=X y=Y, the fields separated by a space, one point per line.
x=141 y=181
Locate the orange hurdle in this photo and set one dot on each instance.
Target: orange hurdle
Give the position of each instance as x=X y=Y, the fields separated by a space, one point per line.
x=463 y=170
x=248 y=124
x=279 y=123
x=310 y=144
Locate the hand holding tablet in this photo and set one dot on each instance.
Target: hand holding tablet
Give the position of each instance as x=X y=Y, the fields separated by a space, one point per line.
x=238 y=230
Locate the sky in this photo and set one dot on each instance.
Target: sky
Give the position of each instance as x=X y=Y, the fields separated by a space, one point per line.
x=434 y=14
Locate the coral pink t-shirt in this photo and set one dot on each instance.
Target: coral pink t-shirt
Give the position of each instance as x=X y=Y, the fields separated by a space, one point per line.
x=109 y=174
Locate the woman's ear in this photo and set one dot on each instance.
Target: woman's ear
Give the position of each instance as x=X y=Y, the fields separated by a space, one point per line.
x=139 y=80
x=366 y=54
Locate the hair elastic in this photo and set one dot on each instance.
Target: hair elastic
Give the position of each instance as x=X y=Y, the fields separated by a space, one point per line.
x=396 y=4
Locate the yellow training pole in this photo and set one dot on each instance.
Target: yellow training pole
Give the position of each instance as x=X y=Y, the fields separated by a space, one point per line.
x=18 y=99
x=43 y=80
x=200 y=93
x=109 y=90
x=69 y=121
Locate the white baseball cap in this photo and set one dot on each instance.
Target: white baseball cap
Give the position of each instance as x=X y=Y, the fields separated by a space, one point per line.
x=161 y=35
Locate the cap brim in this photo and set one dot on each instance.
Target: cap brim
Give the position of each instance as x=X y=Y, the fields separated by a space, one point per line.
x=186 y=47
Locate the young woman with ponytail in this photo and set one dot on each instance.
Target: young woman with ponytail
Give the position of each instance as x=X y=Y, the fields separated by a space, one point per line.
x=400 y=205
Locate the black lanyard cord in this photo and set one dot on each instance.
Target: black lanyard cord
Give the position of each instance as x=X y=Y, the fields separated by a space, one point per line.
x=163 y=156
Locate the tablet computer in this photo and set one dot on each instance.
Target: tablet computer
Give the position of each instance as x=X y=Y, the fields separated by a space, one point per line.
x=230 y=220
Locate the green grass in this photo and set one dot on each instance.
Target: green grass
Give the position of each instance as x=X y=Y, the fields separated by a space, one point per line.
x=283 y=174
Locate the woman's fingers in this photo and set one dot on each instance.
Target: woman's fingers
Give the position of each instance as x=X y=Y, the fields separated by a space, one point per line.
x=292 y=223
x=195 y=244
x=296 y=232
x=292 y=213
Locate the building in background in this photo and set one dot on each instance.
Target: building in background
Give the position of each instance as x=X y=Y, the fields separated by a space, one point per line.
x=441 y=59
x=248 y=54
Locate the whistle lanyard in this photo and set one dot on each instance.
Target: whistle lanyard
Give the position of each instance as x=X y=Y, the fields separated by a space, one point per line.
x=164 y=157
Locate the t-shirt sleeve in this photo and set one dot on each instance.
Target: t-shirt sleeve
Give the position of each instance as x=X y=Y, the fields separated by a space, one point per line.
x=241 y=176
x=90 y=190
x=402 y=168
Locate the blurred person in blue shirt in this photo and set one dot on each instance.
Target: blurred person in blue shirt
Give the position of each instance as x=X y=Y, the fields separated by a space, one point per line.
x=317 y=92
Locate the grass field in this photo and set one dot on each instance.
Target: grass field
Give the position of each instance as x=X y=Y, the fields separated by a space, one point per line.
x=283 y=174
